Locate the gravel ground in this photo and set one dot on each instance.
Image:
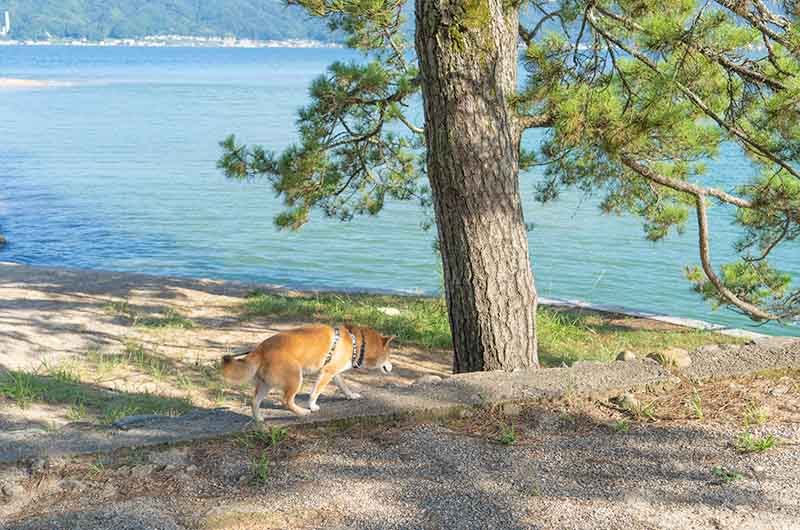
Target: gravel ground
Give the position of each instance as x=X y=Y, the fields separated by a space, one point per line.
x=567 y=468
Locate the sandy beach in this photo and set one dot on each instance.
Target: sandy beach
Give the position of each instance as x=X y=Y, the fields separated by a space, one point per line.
x=8 y=82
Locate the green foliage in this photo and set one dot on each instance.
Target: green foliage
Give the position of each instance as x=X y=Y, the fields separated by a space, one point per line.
x=261 y=469
x=95 y=20
x=748 y=443
x=644 y=92
x=61 y=387
x=508 y=436
x=638 y=96
x=697 y=406
x=726 y=475
x=171 y=319
x=622 y=426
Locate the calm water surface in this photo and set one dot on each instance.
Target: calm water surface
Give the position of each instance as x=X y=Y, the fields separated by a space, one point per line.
x=114 y=169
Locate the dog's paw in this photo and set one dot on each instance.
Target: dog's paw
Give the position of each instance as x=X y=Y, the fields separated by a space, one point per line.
x=302 y=412
x=354 y=395
x=313 y=406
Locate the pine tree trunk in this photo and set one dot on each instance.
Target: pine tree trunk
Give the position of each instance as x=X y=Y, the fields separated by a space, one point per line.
x=468 y=59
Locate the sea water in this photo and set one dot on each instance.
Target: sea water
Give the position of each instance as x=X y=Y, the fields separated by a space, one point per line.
x=112 y=167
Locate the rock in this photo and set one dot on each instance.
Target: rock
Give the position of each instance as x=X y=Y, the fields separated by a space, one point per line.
x=191 y=469
x=13 y=490
x=143 y=470
x=710 y=348
x=779 y=391
x=390 y=311
x=628 y=402
x=427 y=379
x=109 y=490
x=40 y=465
x=512 y=409
x=71 y=485
x=626 y=355
x=173 y=457
x=3 y=241
x=672 y=358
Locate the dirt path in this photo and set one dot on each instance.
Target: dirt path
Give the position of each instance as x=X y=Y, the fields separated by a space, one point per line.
x=570 y=465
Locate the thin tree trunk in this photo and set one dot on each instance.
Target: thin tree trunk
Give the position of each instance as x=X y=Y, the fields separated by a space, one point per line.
x=468 y=58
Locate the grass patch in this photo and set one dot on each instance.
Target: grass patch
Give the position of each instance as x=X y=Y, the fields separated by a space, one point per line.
x=508 y=436
x=170 y=319
x=697 y=406
x=755 y=414
x=564 y=337
x=622 y=426
x=567 y=336
x=747 y=443
x=261 y=469
x=422 y=321
x=85 y=399
x=726 y=475
x=120 y=309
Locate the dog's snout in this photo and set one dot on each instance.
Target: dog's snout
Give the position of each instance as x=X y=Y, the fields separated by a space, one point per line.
x=386 y=367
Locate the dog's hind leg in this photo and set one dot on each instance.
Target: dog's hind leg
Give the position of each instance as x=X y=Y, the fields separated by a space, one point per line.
x=261 y=391
x=293 y=380
x=349 y=394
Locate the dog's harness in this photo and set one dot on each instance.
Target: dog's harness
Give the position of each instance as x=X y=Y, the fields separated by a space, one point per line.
x=355 y=362
x=333 y=346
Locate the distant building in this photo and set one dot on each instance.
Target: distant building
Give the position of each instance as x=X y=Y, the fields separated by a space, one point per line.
x=6 y=29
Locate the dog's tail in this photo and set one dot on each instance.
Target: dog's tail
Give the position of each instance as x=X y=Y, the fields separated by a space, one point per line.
x=239 y=371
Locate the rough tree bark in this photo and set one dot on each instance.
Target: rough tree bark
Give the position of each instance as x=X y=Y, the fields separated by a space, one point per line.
x=468 y=60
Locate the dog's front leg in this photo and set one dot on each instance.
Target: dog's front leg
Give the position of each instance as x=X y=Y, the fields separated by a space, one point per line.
x=322 y=381
x=349 y=394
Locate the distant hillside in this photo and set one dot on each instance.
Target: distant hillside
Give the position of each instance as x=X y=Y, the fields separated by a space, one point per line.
x=97 y=19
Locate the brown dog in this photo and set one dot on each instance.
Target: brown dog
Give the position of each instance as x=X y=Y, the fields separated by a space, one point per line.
x=279 y=361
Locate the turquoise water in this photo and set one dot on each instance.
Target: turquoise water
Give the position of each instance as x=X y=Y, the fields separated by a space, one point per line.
x=114 y=169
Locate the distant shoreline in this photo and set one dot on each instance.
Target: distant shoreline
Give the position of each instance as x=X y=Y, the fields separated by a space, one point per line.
x=175 y=41
x=242 y=288
x=6 y=82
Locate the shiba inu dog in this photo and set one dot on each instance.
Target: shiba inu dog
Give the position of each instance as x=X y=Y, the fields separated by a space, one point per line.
x=279 y=361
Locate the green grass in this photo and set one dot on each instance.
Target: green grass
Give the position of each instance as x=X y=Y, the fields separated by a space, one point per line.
x=508 y=436
x=168 y=318
x=171 y=319
x=84 y=399
x=747 y=443
x=422 y=321
x=263 y=438
x=726 y=475
x=622 y=426
x=697 y=406
x=261 y=469
x=564 y=337
x=120 y=309
x=755 y=414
